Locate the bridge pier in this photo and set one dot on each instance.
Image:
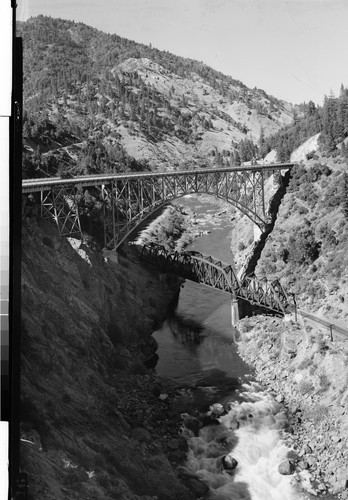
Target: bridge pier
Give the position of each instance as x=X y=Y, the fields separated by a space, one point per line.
x=234 y=311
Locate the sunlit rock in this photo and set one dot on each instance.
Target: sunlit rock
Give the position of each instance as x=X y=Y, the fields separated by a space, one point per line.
x=286 y=468
x=229 y=463
x=217 y=409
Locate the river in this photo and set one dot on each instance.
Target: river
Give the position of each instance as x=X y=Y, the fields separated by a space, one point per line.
x=197 y=349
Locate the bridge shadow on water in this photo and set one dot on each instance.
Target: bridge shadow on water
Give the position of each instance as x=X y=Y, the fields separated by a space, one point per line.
x=187 y=330
x=194 y=356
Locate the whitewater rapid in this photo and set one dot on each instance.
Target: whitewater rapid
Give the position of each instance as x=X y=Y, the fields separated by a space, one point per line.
x=249 y=432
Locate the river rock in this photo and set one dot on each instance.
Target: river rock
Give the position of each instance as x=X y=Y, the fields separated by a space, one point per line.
x=176 y=456
x=229 y=463
x=304 y=465
x=142 y=435
x=173 y=444
x=207 y=419
x=234 y=424
x=197 y=487
x=217 y=409
x=286 y=468
x=191 y=423
x=321 y=487
x=307 y=449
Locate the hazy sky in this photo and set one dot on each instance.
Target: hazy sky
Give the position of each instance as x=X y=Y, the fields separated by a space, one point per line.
x=293 y=49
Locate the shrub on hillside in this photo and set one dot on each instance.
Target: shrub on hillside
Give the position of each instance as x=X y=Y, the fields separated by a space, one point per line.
x=334 y=193
x=241 y=246
x=302 y=210
x=302 y=176
x=297 y=175
x=305 y=387
x=302 y=247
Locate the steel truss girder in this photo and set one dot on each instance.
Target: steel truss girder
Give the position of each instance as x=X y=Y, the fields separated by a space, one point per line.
x=60 y=204
x=135 y=198
x=212 y=272
x=129 y=199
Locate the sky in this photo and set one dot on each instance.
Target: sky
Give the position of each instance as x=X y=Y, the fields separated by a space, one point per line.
x=293 y=49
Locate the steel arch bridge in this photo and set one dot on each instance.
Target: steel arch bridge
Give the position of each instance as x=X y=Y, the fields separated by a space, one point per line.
x=128 y=199
x=209 y=271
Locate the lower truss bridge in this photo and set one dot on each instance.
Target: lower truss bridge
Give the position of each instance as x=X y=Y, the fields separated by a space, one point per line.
x=209 y=271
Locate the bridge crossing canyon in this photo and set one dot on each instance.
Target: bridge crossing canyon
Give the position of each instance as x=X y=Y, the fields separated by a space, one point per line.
x=128 y=199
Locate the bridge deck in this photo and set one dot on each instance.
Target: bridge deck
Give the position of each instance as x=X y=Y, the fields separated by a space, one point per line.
x=36 y=185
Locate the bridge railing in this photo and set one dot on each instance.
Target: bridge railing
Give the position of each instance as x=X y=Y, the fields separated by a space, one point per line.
x=48 y=183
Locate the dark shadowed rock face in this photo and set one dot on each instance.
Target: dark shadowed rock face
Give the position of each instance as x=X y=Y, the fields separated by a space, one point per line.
x=89 y=406
x=229 y=463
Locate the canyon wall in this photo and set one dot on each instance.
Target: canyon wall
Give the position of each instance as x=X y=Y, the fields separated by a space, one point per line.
x=94 y=421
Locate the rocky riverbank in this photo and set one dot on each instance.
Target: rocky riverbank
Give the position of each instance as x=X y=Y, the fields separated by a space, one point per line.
x=308 y=373
x=179 y=224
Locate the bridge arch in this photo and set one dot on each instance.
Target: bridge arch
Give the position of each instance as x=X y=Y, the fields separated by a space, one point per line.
x=136 y=199
x=128 y=199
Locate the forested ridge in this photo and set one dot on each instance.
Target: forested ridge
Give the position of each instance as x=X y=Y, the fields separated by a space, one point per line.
x=96 y=102
x=330 y=120
x=85 y=86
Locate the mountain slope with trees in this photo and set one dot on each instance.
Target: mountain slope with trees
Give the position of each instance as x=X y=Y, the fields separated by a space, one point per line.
x=329 y=120
x=96 y=102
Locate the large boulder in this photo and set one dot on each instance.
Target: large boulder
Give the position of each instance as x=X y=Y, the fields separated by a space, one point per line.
x=229 y=463
x=286 y=468
x=197 y=487
x=216 y=410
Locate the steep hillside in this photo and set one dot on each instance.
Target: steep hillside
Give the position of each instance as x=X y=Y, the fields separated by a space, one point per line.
x=308 y=246
x=95 y=423
x=98 y=102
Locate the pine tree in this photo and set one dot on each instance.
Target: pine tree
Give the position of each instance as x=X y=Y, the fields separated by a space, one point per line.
x=329 y=122
x=262 y=143
x=345 y=196
x=236 y=158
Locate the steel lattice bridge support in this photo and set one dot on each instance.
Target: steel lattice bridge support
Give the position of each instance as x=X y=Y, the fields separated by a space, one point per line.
x=209 y=271
x=61 y=205
x=128 y=199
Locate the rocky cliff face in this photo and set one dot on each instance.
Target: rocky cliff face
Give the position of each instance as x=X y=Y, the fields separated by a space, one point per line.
x=92 y=423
